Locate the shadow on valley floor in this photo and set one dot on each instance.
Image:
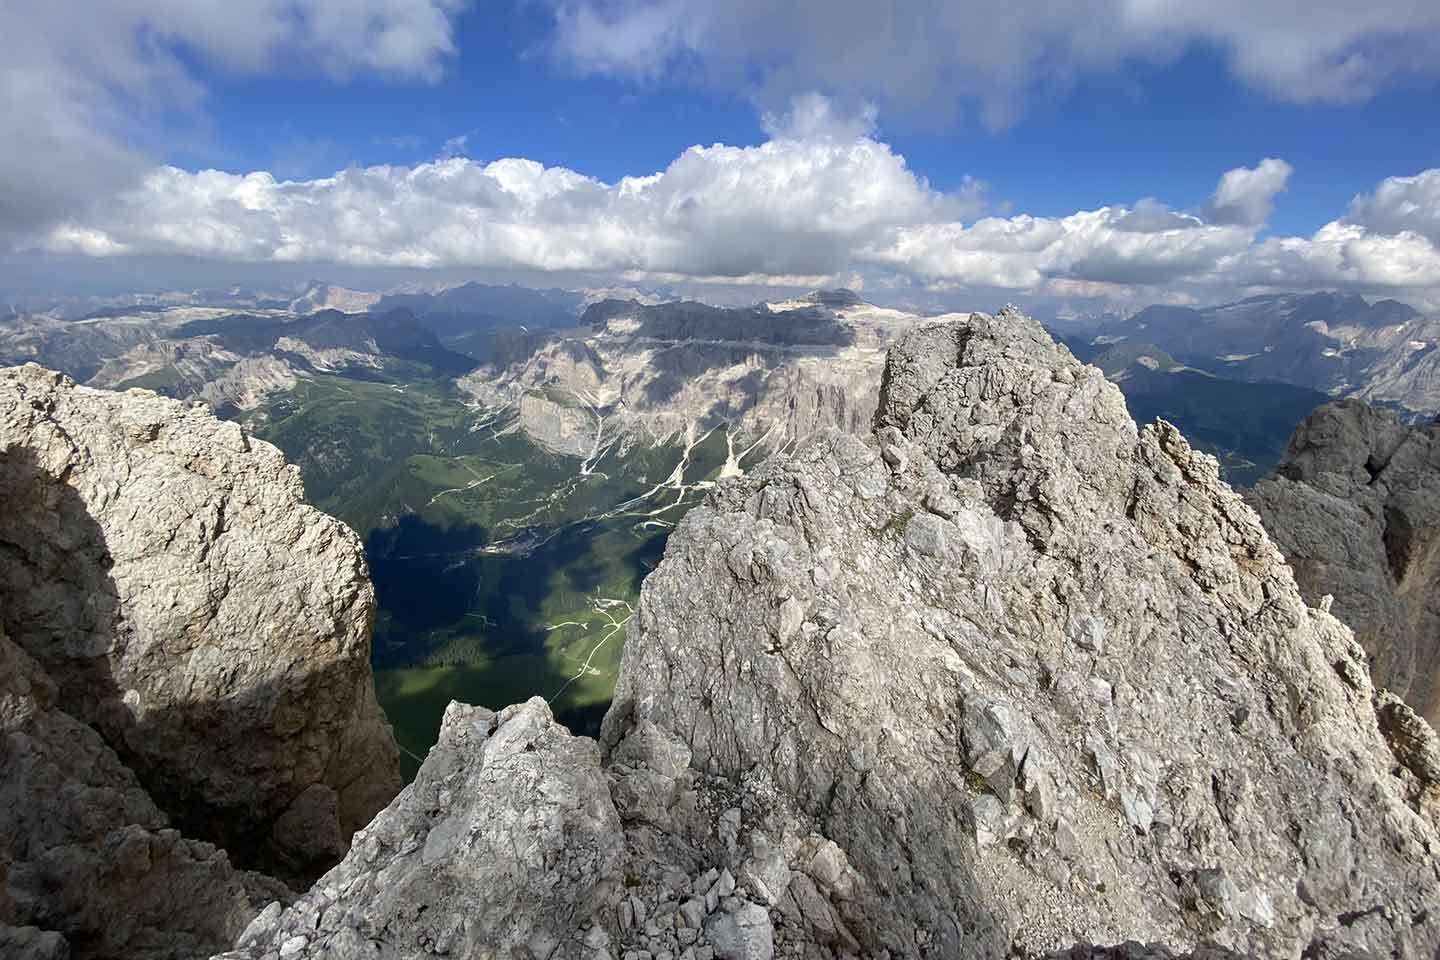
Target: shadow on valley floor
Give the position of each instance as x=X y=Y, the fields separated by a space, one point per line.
x=459 y=623
x=423 y=577
x=430 y=578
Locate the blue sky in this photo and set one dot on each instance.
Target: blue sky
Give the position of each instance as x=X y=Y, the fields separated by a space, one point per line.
x=1055 y=115
x=1138 y=130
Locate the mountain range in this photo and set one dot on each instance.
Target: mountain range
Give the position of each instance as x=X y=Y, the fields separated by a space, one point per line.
x=1383 y=352
x=1009 y=675
x=515 y=460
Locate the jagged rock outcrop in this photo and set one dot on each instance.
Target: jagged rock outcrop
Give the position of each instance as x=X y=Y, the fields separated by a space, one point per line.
x=1011 y=678
x=1355 y=508
x=1037 y=674
x=89 y=866
x=162 y=569
x=515 y=840
x=505 y=845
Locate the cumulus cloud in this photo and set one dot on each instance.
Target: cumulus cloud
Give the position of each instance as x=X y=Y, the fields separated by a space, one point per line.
x=83 y=82
x=1346 y=255
x=1246 y=195
x=822 y=198
x=812 y=116
x=790 y=206
x=935 y=52
x=1024 y=252
x=1400 y=205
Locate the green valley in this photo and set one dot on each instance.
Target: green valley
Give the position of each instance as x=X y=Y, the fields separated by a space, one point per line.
x=502 y=570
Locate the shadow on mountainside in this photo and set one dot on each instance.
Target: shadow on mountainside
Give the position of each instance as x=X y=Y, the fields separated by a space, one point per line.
x=206 y=763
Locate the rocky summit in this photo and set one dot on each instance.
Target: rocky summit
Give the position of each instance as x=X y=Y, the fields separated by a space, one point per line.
x=187 y=684
x=1010 y=677
x=1355 y=508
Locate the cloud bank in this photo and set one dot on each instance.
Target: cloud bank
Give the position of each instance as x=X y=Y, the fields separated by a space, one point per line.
x=944 y=54
x=84 y=81
x=821 y=198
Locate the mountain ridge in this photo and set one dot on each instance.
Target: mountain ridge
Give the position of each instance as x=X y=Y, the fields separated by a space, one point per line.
x=1340 y=344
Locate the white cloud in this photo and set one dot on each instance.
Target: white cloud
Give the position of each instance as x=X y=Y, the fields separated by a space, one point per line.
x=1347 y=255
x=455 y=146
x=812 y=116
x=84 y=84
x=788 y=207
x=936 y=53
x=1025 y=252
x=821 y=199
x=1402 y=204
x=1246 y=196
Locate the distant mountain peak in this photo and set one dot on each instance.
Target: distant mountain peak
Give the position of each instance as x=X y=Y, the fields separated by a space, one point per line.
x=835 y=299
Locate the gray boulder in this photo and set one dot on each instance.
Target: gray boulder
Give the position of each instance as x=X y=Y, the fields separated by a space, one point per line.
x=507 y=844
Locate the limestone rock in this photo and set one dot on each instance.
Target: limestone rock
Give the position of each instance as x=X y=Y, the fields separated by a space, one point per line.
x=745 y=934
x=162 y=569
x=32 y=943
x=88 y=865
x=506 y=844
x=1008 y=679
x=1383 y=351
x=671 y=372
x=1133 y=950
x=1106 y=610
x=1355 y=508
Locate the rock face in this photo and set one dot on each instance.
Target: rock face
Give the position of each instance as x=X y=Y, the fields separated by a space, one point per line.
x=504 y=846
x=163 y=571
x=1037 y=675
x=1355 y=508
x=89 y=864
x=651 y=373
x=229 y=359
x=1011 y=678
x=515 y=841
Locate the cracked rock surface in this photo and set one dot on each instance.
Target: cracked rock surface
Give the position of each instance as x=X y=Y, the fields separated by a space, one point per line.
x=506 y=844
x=1039 y=675
x=89 y=866
x=162 y=568
x=1010 y=678
x=1355 y=508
